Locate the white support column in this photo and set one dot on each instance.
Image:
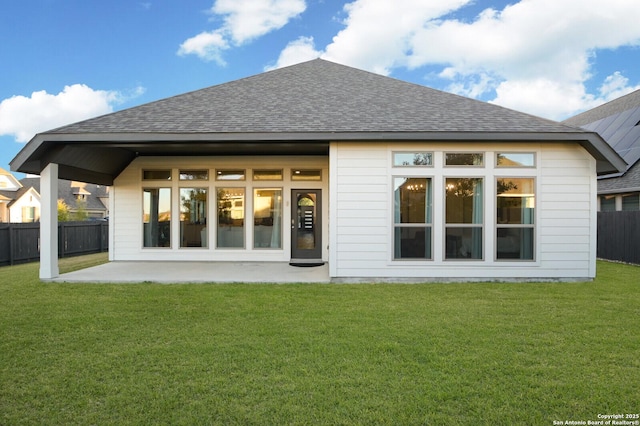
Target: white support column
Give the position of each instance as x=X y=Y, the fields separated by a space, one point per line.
x=112 y=222
x=49 y=222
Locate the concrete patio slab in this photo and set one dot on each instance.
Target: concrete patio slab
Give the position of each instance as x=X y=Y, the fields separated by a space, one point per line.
x=198 y=272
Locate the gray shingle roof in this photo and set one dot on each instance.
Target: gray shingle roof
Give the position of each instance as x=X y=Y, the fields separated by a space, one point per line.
x=629 y=182
x=67 y=190
x=297 y=110
x=316 y=96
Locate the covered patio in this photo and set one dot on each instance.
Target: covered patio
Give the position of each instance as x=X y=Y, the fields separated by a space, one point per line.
x=197 y=272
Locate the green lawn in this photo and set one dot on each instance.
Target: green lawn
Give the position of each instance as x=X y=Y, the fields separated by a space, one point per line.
x=440 y=354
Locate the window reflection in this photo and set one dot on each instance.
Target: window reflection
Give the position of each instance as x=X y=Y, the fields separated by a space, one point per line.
x=230 y=218
x=515 y=215
x=267 y=218
x=193 y=217
x=156 y=217
x=464 y=207
x=412 y=218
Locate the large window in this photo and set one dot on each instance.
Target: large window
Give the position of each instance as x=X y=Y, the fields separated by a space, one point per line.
x=464 y=218
x=515 y=204
x=412 y=218
x=156 y=217
x=230 y=217
x=267 y=218
x=193 y=217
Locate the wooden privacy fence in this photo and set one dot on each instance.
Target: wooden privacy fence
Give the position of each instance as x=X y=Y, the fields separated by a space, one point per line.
x=20 y=242
x=619 y=236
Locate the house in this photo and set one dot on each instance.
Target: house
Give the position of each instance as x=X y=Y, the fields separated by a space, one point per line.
x=618 y=122
x=91 y=198
x=319 y=162
x=9 y=186
x=20 y=200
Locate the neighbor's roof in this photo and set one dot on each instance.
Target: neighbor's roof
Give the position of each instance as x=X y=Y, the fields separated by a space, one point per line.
x=67 y=191
x=293 y=110
x=614 y=184
x=618 y=122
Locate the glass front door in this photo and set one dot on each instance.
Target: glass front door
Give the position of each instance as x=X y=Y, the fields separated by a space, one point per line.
x=306 y=229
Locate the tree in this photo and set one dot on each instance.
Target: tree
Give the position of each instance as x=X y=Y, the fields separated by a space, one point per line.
x=81 y=212
x=63 y=212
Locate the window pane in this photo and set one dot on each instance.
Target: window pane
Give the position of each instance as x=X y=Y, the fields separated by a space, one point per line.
x=267 y=218
x=515 y=159
x=516 y=201
x=230 y=174
x=267 y=175
x=28 y=214
x=515 y=243
x=193 y=217
x=630 y=202
x=608 y=203
x=230 y=217
x=412 y=243
x=464 y=200
x=156 y=174
x=156 y=217
x=463 y=243
x=412 y=159
x=464 y=159
x=194 y=174
x=306 y=174
x=412 y=200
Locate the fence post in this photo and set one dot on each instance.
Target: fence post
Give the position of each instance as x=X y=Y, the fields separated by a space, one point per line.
x=100 y=237
x=10 y=233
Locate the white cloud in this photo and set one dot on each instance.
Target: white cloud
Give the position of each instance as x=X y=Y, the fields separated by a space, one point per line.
x=243 y=21
x=534 y=55
x=616 y=85
x=539 y=52
x=206 y=45
x=378 y=33
x=22 y=117
x=300 y=50
x=248 y=19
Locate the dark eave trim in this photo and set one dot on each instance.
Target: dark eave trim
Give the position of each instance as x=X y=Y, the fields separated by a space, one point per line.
x=608 y=160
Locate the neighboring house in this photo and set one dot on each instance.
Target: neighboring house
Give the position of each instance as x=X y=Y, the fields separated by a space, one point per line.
x=26 y=206
x=20 y=200
x=319 y=162
x=9 y=186
x=92 y=198
x=618 y=122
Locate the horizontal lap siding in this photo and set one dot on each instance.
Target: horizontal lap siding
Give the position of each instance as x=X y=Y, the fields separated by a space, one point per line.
x=127 y=216
x=564 y=217
x=566 y=208
x=362 y=208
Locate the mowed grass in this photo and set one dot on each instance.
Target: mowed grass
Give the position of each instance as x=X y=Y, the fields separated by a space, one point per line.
x=454 y=354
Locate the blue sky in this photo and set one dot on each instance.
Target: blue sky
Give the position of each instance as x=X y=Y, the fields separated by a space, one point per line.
x=63 y=61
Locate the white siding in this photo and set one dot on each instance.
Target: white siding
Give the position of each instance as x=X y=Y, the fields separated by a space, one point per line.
x=361 y=224
x=358 y=215
x=126 y=212
x=29 y=199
